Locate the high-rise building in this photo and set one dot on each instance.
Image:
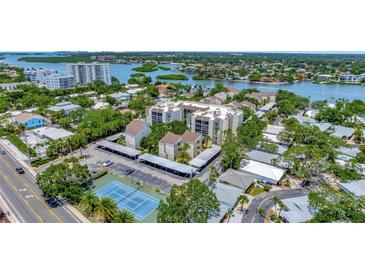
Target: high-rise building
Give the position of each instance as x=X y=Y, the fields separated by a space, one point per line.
x=59 y=81
x=85 y=73
x=211 y=120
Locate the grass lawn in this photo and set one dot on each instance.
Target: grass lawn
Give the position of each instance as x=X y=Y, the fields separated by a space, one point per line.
x=256 y=191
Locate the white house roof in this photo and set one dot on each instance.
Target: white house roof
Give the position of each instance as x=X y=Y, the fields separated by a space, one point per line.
x=298 y=210
x=340 y=131
x=263 y=170
x=66 y=106
x=272 y=129
x=53 y=133
x=271 y=137
x=352 y=152
x=356 y=187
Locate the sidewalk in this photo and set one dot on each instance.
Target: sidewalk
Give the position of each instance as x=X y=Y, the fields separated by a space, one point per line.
x=9 y=213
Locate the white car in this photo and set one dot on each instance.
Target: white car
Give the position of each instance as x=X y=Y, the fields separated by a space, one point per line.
x=108 y=163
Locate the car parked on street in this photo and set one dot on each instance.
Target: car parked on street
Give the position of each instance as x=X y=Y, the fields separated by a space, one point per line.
x=20 y=170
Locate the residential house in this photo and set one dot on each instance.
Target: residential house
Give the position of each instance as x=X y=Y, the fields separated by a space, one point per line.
x=135 y=131
x=297 y=210
x=239 y=179
x=263 y=96
x=67 y=107
x=29 y=120
x=267 y=173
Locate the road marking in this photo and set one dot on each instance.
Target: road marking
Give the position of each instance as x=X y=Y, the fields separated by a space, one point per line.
x=29 y=196
x=35 y=195
x=22 y=189
x=12 y=207
x=26 y=202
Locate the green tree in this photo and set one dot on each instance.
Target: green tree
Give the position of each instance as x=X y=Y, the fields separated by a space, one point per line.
x=67 y=179
x=107 y=209
x=124 y=216
x=89 y=202
x=243 y=199
x=213 y=175
x=192 y=202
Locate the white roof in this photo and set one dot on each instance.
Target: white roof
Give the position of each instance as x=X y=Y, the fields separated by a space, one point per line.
x=119 y=148
x=53 y=133
x=205 y=156
x=64 y=106
x=167 y=163
x=271 y=137
x=298 y=210
x=272 y=129
x=340 y=131
x=356 y=187
x=263 y=170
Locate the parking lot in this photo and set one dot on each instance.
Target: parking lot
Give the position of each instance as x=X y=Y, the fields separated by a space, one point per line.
x=143 y=173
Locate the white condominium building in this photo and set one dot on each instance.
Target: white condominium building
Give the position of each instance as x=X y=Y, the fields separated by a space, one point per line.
x=59 y=81
x=211 y=120
x=85 y=73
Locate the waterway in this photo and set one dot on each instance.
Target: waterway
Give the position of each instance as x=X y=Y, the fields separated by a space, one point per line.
x=307 y=88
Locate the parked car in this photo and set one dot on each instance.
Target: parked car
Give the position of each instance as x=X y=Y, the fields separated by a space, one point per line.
x=128 y=171
x=54 y=202
x=20 y=170
x=2 y=152
x=108 y=163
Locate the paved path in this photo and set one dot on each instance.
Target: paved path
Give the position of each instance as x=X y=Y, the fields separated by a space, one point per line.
x=24 y=198
x=264 y=201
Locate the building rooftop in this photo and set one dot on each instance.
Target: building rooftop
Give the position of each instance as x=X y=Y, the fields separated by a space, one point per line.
x=240 y=179
x=298 y=210
x=166 y=163
x=26 y=116
x=272 y=129
x=66 y=106
x=204 y=157
x=190 y=137
x=356 y=187
x=271 y=137
x=170 y=138
x=135 y=126
x=119 y=148
x=340 y=131
x=349 y=151
x=263 y=170
x=227 y=196
x=53 y=133
x=263 y=157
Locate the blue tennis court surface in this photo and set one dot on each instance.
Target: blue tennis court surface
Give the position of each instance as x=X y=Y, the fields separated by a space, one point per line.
x=137 y=202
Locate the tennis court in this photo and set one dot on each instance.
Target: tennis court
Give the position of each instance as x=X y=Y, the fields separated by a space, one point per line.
x=137 y=202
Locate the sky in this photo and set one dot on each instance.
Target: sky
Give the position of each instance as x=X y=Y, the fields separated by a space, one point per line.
x=189 y=25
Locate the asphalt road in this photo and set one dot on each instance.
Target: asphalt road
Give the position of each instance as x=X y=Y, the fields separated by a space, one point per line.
x=264 y=201
x=24 y=197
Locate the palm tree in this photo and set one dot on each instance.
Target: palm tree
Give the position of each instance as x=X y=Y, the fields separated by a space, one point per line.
x=89 y=202
x=276 y=200
x=243 y=199
x=124 y=216
x=107 y=209
x=213 y=175
x=230 y=214
x=282 y=206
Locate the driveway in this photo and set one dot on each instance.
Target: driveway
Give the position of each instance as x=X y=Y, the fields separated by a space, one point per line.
x=265 y=201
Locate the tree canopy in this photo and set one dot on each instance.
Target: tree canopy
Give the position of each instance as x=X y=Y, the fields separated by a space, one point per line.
x=192 y=202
